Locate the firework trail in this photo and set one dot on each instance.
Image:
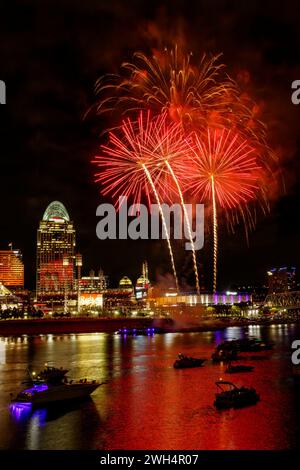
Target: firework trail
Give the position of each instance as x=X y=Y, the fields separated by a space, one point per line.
x=223 y=169
x=187 y=222
x=164 y=224
x=215 y=233
x=167 y=144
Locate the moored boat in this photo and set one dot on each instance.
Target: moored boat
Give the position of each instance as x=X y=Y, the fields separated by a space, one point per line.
x=149 y=331
x=51 y=374
x=184 y=362
x=238 y=368
x=44 y=393
x=245 y=345
x=225 y=355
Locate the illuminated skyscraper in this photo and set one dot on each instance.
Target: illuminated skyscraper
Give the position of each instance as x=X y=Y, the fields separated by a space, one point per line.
x=11 y=268
x=55 y=269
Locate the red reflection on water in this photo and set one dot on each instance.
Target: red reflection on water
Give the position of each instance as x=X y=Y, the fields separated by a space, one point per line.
x=147 y=404
x=157 y=407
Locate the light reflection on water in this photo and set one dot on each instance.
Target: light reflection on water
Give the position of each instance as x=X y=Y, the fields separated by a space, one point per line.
x=146 y=403
x=21 y=411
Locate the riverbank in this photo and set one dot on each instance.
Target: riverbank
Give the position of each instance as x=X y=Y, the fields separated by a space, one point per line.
x=69 y=325
x=109 y=325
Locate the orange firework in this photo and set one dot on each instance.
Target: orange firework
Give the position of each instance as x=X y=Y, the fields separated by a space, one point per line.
x=149 y=141
x=136 y=162
x=223 y=169
x=225 y=162
x=195 y=93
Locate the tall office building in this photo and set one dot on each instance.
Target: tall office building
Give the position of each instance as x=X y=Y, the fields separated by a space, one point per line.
x=55 y=269
x=11 y=268
x=93 y=283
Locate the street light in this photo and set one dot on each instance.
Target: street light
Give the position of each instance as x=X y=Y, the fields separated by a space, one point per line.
x=65 y=263
x=78 y=260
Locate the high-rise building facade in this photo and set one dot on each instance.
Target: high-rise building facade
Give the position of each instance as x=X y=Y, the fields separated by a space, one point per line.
x=93 y=283
x=56 y=243
x=11 y=268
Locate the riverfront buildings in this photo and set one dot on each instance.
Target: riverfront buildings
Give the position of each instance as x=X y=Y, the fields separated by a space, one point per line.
x=61 y=288
x=93 y=283
x=169 y=298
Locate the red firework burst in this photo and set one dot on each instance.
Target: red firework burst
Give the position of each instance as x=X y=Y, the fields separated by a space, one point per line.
x=135 y=153
x=134 y=162
x=224 y=170
x=224 y=163
x=198 y=93
x=171 y=81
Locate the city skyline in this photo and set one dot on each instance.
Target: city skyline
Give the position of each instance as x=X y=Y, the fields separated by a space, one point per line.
x=149 y=258
x=55 y=144
x=134 y=269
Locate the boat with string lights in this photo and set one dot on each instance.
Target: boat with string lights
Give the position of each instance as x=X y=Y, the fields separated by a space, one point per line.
x=139 y=331
x=52 y=385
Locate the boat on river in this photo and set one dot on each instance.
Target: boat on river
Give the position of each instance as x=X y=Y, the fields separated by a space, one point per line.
x=245 y=345
x=51 y=385
x=149 y=331
x=185 y=362
x=50 y=374
x=238 y=368
x=43 y=393
x=224 y=355
x=231 y=396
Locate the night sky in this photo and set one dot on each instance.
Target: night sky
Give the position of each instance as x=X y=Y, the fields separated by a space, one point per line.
x=52 y=52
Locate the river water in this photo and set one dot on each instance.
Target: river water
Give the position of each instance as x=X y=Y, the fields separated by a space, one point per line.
x=146 y=403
